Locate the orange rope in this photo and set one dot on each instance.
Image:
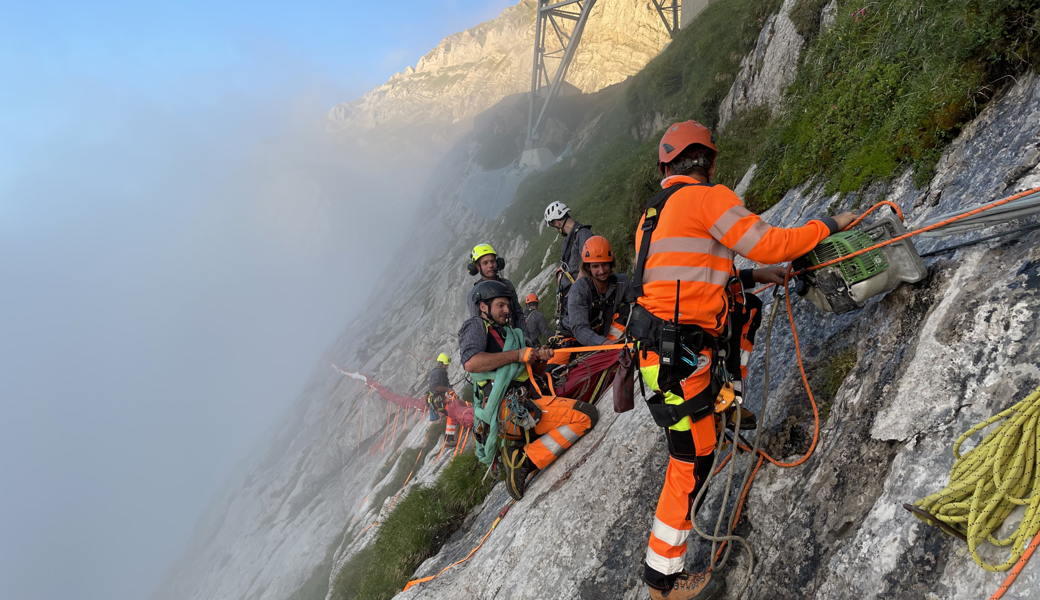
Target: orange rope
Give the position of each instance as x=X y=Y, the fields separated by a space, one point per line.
x=931 y=227
x=393 y=430
x=443 y=444
x=458 y=438
x=501 y=515
x=463 y=438
x=386 y=428
x=1017 y=569
x=409 y=478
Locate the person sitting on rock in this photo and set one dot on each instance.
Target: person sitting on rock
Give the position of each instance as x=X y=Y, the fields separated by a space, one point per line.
x=598 y=296
x=507 y=404
x=484 y=261
x=439 y=385
x=535 y=325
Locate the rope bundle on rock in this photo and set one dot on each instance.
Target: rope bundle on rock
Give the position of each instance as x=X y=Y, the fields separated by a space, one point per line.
x=988 y=482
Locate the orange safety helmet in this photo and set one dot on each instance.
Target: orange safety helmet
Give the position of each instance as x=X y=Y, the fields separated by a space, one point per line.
x=597 y=250
x=680 y=136
x=532 y=297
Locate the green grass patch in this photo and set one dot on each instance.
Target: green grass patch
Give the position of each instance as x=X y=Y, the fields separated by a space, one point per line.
x=805 y=15
x=416 y=529
x=831 y=374
x=745 y=135
x=889 y=87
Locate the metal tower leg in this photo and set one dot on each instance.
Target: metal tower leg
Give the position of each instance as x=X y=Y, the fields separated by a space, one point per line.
x=669 y=12
x=565 y=21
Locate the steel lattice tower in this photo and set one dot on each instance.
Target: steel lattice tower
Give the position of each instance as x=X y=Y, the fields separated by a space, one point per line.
x=558 y=30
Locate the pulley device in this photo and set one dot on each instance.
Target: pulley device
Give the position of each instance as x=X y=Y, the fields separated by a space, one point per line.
x=847 y=285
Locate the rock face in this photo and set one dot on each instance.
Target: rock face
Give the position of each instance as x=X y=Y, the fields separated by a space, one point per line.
x=469 y=72
x=766 y=72
x=933 y=359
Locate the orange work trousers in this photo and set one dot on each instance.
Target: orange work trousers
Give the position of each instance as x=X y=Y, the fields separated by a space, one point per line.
x=691 y=446
x=563 y=421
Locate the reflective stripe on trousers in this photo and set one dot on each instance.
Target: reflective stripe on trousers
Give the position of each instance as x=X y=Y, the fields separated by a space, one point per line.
x=666 y=550
x=560 y=426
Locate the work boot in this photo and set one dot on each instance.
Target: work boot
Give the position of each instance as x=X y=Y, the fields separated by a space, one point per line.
x=449 y=440
x=748 y=420
x=692 y=586
x=517 y=468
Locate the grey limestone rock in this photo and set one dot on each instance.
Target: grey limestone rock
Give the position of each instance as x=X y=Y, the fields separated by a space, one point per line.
x=768 y=70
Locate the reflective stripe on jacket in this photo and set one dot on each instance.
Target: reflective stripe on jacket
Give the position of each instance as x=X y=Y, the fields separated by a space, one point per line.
x=698 y=231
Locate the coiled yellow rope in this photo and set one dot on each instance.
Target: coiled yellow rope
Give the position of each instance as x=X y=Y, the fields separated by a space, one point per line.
x=988 y=482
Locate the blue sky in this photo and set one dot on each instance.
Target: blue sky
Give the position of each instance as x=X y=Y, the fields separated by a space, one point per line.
x=178 y=245
x=50 y=51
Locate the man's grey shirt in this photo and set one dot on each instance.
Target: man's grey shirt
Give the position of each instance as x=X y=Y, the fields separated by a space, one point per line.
x=438 y=378
x=472 y=338
x=573 y=242
x=534 y=326
x=516 y=312
x=584 y=297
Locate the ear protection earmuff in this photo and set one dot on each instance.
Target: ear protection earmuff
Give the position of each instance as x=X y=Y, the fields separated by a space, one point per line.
x=472 y=268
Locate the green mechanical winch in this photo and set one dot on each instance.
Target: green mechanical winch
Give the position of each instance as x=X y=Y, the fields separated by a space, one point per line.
x=847 y=285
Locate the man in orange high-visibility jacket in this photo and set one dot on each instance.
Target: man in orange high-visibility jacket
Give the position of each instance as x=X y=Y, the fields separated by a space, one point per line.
x=695 y=229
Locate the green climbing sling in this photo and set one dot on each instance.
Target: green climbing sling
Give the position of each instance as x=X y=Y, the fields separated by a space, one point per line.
x=487 y=413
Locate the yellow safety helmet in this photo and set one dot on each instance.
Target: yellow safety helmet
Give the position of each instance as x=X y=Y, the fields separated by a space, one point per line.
x=481 y=250
x=444 y=359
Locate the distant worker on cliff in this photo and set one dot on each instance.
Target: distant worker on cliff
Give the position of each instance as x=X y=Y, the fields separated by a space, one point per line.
x=535 y=325
x=439 y=386
x=484 y=261
x=686 y=242
x=558 y=216
x=537 y=428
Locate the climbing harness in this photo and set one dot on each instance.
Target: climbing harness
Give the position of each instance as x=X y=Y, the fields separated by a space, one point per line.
x=989 y=481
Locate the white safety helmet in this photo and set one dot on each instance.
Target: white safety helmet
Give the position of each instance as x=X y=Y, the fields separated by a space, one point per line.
x=556 y=210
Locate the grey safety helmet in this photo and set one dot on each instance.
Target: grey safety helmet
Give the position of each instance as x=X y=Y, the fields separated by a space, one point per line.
x=486 y=291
